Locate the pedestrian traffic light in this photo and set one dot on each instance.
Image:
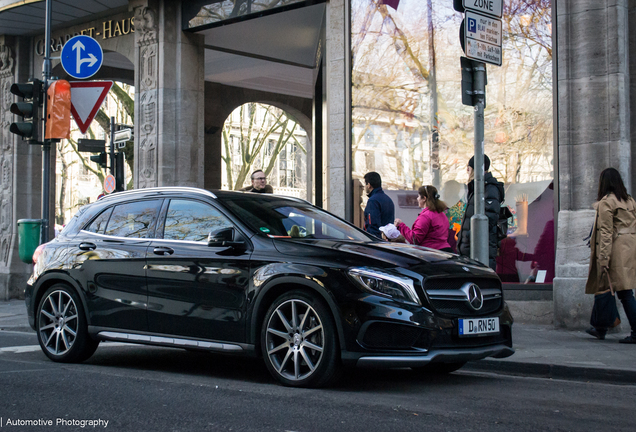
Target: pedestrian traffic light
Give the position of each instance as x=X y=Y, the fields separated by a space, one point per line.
x=28 y=109
x=100 y=159
x=58 y=110
x=120 y=172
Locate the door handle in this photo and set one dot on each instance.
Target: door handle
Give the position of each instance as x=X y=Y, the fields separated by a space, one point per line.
x=85 y=246
x=162 y=250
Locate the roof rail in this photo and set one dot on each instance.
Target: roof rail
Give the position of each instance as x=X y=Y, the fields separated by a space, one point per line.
x=159 y=191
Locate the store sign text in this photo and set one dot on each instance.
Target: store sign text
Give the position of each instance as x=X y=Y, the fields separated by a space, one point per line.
x=109 y=29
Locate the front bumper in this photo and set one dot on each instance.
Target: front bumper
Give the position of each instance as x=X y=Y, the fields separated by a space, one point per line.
x=390 y=334
x=435 y=356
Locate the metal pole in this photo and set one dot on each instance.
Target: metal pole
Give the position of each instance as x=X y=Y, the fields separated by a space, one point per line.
x=46 y=147
x=432 y=81
x=111 y=152
x=479 y=221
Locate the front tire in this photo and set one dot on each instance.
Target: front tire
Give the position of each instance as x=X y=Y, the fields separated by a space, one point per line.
x=62 y=328
x=299 y=341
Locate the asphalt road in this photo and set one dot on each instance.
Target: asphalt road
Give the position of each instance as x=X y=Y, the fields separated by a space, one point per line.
x=137 y=388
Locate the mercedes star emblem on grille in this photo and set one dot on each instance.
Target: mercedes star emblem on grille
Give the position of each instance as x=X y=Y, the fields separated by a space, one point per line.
x=473 y=295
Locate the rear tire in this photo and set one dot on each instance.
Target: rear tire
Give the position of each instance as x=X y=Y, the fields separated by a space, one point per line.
x=61 y=326
x=299 y=341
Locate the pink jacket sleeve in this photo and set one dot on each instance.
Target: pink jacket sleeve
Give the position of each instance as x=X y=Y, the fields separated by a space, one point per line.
x=417 y=234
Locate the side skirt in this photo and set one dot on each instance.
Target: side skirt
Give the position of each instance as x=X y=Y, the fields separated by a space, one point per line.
x=101 y=333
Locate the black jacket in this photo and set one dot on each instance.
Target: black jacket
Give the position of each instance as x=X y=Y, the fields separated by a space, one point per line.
x=494 y=195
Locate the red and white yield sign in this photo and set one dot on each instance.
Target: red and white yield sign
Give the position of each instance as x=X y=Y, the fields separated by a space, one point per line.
x=86 y=99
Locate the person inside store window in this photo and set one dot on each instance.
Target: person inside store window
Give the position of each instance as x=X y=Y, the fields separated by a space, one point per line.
x=259 y=183
x=430 y=229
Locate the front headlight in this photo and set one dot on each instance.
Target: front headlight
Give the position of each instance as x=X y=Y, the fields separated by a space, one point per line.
x=379 y=282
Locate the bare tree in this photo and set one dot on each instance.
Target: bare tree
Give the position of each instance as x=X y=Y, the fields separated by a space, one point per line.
x=258 y=126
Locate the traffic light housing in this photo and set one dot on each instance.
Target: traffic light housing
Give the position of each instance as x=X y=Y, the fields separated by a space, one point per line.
x=29 y=109
x=120 y=172
x=470 y=96
x=58 y=110
x=100 y=159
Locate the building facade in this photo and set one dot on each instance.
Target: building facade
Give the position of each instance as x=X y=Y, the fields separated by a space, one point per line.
x=375 y=85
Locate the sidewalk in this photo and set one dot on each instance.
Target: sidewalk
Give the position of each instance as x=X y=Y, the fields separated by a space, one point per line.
x=13 y=316
x=546 y=352
x=541 y=351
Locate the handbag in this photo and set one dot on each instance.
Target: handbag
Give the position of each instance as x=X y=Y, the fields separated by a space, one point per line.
x=502 y=222
x=605 y=312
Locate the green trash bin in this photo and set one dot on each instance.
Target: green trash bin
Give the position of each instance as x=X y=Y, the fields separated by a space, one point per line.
x=29 y=232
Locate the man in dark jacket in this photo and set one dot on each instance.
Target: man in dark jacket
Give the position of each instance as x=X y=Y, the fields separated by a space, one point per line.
x=379 y=210
x=494 y=196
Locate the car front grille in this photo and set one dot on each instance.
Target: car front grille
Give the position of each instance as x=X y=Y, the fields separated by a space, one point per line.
x=448 y=296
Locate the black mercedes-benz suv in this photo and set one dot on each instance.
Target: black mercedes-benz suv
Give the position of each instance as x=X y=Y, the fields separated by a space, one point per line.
x=262 y=275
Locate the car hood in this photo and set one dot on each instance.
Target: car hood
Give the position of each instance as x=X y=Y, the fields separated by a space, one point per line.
x=381 y=254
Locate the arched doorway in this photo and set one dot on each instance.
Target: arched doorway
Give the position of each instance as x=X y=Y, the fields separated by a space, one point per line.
x=262 y=136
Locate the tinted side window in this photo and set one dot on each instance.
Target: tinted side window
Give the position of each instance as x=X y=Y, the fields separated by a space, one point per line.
x=98 y=226
x=133 y=220
x=76 y=222
x=192 y=220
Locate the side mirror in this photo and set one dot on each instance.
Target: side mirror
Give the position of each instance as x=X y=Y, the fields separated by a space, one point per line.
x=224 y=237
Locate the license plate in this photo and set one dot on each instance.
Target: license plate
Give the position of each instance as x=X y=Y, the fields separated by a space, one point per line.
x=478 y=326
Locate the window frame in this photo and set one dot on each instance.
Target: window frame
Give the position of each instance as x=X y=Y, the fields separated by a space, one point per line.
x=151 y=228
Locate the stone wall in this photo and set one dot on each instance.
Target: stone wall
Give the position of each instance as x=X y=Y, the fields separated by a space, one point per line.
x=20 y=189
x=335 y=155
x=594 y=133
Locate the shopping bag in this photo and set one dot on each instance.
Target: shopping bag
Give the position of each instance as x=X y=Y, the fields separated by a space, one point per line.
x=605 y=312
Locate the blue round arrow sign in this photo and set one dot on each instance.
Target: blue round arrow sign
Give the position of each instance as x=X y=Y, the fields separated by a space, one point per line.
x=82 y=57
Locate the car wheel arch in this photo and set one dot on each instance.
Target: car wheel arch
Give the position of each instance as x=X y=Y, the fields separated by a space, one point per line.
x=47 y=281
x=279 y=286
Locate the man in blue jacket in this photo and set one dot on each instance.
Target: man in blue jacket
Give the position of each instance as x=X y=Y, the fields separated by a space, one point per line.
x=379 y=210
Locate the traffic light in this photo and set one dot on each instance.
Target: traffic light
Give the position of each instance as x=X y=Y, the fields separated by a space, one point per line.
x=28 y=109
x=100 y=159
x=120 y=172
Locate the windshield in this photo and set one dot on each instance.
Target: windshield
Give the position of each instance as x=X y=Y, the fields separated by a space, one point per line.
x=283 y=218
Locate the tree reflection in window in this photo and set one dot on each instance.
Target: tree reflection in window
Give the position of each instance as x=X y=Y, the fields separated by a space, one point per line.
x=133 y=220
x=99 y=224
x=192 y=221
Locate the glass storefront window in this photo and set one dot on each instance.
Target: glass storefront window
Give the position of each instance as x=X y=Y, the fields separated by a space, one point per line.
x=410 y=126
x=207 y=12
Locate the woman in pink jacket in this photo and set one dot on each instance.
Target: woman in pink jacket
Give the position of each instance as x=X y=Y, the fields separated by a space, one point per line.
x=430 y=229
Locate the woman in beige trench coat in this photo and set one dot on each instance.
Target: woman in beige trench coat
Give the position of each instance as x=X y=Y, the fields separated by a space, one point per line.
x=613 y=248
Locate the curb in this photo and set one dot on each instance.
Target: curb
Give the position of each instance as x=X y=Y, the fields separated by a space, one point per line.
x=21 y=329
x=554 y=371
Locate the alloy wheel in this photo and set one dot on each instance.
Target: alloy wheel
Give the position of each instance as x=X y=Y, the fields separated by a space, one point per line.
x=58 y=323
x=295 y=340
